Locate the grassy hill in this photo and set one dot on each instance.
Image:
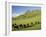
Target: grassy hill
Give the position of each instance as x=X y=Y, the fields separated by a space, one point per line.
x=28 y=18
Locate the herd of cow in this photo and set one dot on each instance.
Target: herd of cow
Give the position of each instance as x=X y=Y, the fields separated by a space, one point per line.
x=18 y=27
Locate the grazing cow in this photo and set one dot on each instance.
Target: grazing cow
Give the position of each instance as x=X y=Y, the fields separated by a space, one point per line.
x=27 y=25
x=12 y=24
x=24 y=26
x=16 y=27
x=20 y=25
x=15 y=23
x=35 y=22
x=31 y=22
x=39 y=23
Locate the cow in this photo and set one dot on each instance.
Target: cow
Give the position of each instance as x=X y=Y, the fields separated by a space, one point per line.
x=36 y=22
x=20 y=25
x=27 y=25
x=15 y=23
x=24 y=25
x=39 y=22
x=12 y=24
x=16 y=26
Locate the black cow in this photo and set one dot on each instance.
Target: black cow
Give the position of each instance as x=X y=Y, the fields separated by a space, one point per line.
x=16 y=27
x=27 y=25
x=39 y=22
x=36 y=22
x=12 y=24
x=20 y=25
x=24 y=25
x=15 y=23
x=31 y=23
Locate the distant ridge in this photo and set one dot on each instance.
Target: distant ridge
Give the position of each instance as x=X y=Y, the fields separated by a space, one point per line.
x=29 y=14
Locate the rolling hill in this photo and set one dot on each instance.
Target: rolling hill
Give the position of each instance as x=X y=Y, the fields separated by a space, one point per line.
x=34 y=15
x=28 y=17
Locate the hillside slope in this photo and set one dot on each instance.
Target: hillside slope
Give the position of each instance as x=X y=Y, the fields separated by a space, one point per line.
x=28 y=18
x=35 y=15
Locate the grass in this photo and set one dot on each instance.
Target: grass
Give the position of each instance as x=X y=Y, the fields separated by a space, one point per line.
x=33 y=17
